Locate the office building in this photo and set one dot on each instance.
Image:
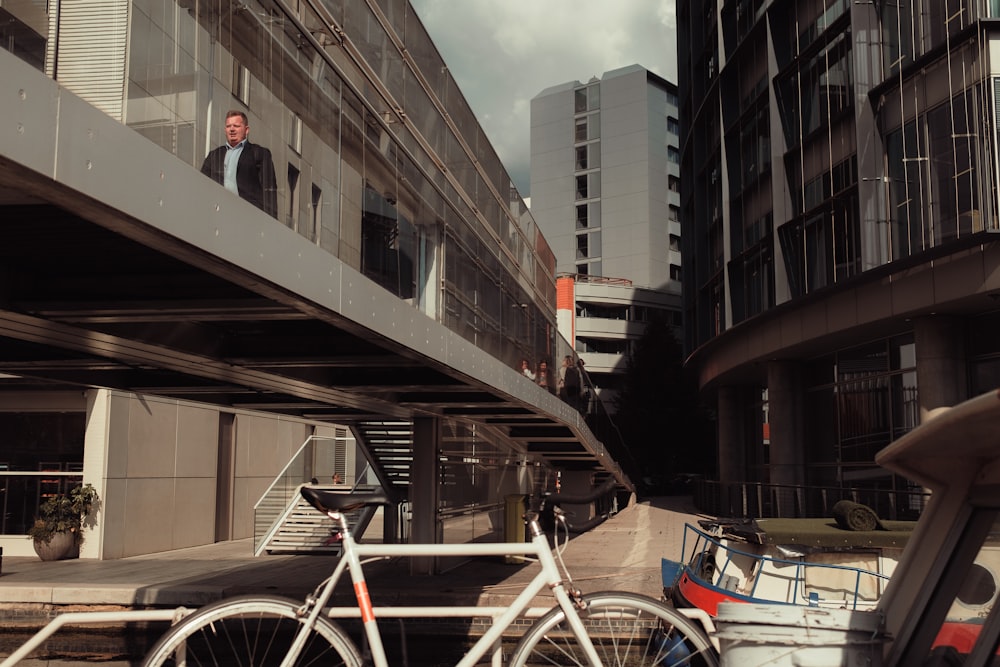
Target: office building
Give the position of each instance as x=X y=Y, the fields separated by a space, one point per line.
x=605 y=192
x=839 y=210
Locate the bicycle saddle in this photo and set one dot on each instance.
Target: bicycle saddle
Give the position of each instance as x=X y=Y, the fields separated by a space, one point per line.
x=326 y=500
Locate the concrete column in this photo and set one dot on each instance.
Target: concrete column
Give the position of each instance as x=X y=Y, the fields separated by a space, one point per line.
x=578 y=483
x=784 y=400
x=96 y=455
x=390 y=523
x=424 y=483
x=941 y=367
x=732 y=434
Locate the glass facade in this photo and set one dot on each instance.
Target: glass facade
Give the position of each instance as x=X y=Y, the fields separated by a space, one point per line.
x=876 y=169
x=378 y=157
x=839 y=149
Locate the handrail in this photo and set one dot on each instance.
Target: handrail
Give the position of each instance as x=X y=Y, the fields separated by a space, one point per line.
x=291 y=460
x=762 y=500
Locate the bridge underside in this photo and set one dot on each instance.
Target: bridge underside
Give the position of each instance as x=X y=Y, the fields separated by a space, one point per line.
x=83 y=305
x=121 y=279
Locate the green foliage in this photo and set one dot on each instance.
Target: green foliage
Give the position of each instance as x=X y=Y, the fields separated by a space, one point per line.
x=64 y=512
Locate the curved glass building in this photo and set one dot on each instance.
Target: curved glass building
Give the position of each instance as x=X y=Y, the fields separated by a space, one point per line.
x=840 y=212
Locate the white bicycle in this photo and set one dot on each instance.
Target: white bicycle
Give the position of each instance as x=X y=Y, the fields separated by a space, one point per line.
x=598 y=629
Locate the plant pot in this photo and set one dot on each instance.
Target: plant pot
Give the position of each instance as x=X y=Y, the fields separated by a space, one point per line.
x=61 y=546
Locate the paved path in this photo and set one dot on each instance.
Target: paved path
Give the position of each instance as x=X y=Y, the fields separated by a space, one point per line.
x=622 y=554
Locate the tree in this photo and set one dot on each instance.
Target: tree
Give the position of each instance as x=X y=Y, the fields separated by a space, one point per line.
x=659 y=413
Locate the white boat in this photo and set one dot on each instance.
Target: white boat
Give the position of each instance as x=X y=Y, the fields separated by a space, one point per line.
x=813 y=562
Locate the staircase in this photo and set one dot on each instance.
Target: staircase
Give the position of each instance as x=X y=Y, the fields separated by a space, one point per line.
x=288 y=524
x=389 y=447
x=302 y=529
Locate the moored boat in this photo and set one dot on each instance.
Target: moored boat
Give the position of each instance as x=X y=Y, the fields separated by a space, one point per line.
x=814 y=562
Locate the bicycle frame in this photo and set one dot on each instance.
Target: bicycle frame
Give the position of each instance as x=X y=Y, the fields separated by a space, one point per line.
x=353 y=553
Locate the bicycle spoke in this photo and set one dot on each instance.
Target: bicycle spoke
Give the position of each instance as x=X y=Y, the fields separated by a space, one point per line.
x=627 y=630
x=251 y=631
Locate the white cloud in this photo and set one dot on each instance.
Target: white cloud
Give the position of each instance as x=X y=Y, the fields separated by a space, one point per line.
x=502 y=54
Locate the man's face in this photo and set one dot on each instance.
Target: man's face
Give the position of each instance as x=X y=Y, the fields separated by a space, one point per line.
x=236 y=130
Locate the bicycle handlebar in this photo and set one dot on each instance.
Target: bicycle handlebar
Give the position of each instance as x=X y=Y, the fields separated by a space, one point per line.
x=547 y=506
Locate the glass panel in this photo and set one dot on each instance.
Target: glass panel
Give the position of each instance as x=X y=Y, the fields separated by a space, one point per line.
x=972 y=613
x=364 y=186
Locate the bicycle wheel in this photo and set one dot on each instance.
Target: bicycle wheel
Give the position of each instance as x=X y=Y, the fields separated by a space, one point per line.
x=627 y=629
x=249 y=631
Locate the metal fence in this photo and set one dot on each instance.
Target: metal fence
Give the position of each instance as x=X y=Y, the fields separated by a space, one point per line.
x=764 y=501
x=23 y=491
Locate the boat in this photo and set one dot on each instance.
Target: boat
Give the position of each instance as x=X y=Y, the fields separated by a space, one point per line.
x=813 y=562
x=935 y=598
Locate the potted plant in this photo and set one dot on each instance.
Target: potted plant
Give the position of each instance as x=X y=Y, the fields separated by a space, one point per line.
x=56 y=532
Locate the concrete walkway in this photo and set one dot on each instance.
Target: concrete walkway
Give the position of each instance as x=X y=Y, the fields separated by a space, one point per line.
x=621 y=554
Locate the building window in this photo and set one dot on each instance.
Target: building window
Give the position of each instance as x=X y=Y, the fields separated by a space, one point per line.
x=751 y=281
x=675 y=242
x=673 y=184
x=580 y=133
x=673 y=155
x=293 y=195
x=388 y=245
x=581 y=216
x=876 y=401
x=317 y=213
x=582 y=246
x=581 y=158
x=586 y=98
x=241 y=83
x=295 y=133
x=38 y=441
x=673 y=127
x=581 y=187
x=675 y=273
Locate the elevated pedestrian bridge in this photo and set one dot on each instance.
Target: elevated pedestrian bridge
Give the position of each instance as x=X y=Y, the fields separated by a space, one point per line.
x=124 y=267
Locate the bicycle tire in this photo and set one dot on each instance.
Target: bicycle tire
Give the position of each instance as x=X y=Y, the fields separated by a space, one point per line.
x=627 y=629
x=250 y=631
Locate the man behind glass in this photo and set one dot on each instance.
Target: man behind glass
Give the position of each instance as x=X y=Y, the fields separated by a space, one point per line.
x=242 y=167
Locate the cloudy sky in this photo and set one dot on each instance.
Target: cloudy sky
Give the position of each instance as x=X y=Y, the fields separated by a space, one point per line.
x=503 y=53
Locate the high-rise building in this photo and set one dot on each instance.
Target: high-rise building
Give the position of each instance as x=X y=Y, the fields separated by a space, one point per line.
x=840 y=211
x=605 y=192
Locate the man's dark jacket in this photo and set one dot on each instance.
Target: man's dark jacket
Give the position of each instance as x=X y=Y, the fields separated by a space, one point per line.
x=254 y=175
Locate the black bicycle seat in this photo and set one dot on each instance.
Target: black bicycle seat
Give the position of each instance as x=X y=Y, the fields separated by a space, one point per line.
x=327 y=500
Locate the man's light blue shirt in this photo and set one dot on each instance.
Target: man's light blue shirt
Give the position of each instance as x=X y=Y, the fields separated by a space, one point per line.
x=232 y=159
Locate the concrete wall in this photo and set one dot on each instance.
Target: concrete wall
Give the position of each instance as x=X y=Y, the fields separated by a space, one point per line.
x=155 y=464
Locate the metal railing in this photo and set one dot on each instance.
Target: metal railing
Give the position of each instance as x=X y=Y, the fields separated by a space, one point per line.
x=757 y=500
x=23 y=491
x=285 y=487
x=774 y=579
